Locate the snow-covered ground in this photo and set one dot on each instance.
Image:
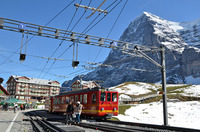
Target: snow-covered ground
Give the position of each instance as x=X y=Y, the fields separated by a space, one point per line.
x=180 y=114
x=139 y=88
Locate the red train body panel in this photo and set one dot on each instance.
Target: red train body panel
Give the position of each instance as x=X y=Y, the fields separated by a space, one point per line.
x=97 y=102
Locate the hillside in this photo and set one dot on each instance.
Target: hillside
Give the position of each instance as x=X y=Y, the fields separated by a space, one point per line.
x=133 y=90
x=182 y=111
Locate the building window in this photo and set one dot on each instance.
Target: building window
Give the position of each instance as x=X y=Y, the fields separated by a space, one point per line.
x=21 y=97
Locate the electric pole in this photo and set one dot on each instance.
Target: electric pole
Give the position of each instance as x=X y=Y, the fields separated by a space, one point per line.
x=163 y=70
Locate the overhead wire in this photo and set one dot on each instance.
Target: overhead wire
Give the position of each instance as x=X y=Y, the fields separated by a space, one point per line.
x=103 y=17
x=112 y=27
x=44 y=26
x=85 y=30
x=60 y=43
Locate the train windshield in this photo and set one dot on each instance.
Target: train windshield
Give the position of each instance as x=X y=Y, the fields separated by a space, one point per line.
x=108 y=97
x=103 y=96
x=114 y=97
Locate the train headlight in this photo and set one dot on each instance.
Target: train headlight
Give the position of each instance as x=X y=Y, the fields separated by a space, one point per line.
x=102 y=109
x=114 y=109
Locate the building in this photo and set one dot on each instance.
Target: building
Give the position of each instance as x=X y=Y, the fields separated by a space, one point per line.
x=65 y=87
x=28 y=89
x=3 y=93
x=78 y=84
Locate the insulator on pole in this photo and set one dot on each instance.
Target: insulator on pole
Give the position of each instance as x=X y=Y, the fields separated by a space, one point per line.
x=1 y=23
x=101 y=41
x=73 y=38
x=40 y=30
x=87 y=39
x=57 y=32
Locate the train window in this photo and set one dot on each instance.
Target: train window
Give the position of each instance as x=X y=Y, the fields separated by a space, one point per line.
x=63 y=100
x=72 y=99
x=85 y=98
x=108 y=97
x=114 y=97
x=67 y=99
x=94 y=98
x=103 y=96
x=59 y=100
x=76 y=98
x=81 y=98
x=55 y=100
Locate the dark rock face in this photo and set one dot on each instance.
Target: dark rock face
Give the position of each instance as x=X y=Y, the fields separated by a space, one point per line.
x=179 y=39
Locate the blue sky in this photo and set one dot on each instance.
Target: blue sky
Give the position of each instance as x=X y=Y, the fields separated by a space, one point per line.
x=42 y=11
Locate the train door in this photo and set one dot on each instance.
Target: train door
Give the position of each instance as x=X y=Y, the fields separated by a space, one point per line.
x=114 y=102
x=102 y=103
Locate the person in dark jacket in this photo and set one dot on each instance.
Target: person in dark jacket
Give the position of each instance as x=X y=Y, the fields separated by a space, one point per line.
x=69 y=112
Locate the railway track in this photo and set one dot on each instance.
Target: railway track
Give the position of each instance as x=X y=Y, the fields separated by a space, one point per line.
x=112 y=128
x=41 y=125
x=106 y=126
x=152 y=126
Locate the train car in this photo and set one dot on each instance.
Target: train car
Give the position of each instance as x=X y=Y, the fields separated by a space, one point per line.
x=48 y=104
x=99 y=103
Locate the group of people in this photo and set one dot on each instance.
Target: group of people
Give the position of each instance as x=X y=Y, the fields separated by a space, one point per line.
x=5 y=106
x=71 y=110
x=14 y=106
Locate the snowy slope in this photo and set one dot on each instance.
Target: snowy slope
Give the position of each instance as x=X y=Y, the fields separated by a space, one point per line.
x=126 y=90
x=180 y=114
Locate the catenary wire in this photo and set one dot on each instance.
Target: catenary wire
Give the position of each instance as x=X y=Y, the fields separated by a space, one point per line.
x=84 y=31
x=112 y=27
x=44 y=26
x=60 y=42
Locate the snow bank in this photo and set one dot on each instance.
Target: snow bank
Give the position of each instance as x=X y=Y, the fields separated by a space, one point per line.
x=180 y=114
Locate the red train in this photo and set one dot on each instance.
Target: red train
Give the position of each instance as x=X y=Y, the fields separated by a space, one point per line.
x=99 y=103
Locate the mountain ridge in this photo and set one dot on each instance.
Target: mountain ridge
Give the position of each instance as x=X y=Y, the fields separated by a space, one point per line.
x=150 y=30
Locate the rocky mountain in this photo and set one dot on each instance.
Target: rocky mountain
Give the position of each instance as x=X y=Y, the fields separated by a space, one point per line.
x=181 y=41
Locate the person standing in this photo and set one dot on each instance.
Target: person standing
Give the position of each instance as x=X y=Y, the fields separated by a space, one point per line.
x=21 y=106
x=77 y=111
x=15 y=107
x=69 y=112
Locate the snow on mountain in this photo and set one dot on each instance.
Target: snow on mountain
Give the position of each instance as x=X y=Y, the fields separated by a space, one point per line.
x=182 y=42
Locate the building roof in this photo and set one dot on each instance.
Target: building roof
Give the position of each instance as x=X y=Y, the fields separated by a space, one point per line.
x=4 y=90
x=86 y=82
x=35 y=80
